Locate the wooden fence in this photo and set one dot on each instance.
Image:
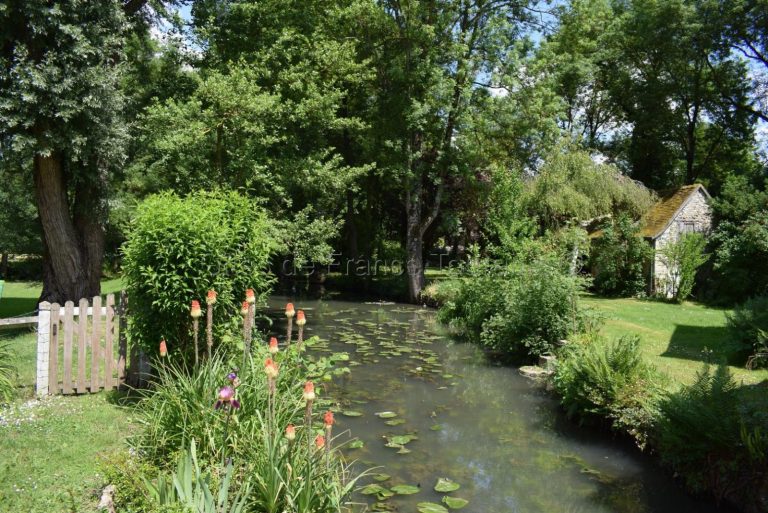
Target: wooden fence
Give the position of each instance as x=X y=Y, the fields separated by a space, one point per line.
x=81 y=348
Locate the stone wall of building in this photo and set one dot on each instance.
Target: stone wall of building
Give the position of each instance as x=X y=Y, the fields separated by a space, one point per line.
x=696 y=216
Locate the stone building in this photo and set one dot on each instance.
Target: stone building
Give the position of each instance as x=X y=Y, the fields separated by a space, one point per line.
x=683 y=210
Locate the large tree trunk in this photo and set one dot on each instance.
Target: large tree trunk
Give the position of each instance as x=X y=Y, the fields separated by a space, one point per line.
x=414 y=239
x=72 y=264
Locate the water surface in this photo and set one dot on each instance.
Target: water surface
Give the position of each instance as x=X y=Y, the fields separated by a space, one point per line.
x=485 y=427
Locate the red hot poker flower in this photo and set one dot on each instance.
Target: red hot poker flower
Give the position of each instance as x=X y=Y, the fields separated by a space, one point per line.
x=250 y=297
x=320 y=441
x=244 y=309
x=195 y=310
x=289 y=311
x=328 y=419
x=270 y=368
x=273 y=349
x=309 y=391
x=211 y=297
x=163 y=348
x=300 y=319
x=290 y=432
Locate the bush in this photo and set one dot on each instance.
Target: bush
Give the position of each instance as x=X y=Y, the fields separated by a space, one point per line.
x=619 y=259
x=598 y=379
x=704 y=437
x=520 y=310
x=683 y=258
x=179 y=248
x=748 y=324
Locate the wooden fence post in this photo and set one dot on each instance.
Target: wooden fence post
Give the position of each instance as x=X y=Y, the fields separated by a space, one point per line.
x=122 y=337
x=43 y=347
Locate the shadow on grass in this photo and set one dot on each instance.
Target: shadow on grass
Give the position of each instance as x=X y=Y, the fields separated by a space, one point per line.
x=710 y=344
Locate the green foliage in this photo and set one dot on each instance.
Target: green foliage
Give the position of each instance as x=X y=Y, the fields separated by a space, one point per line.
x=598 y=379
x=285 y=475
x=683 y=258
x=520 y=310
x=128 y=474
x=7 y=373
x=179 y=248
x=190 y=487
x=702 y=435
x=570 y=186
x=748 y=324
x=619 y=258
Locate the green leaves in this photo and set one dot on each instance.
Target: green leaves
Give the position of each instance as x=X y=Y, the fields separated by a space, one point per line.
x=446 y=485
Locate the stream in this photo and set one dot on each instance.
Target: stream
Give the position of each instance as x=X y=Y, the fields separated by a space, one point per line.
x=422 y=406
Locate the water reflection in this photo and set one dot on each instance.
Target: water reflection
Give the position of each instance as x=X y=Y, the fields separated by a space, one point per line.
x=483 y=426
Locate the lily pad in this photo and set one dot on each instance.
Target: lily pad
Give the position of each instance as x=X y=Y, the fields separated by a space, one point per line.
x=395 y=422
x=430 y=507
x=405 y=489
x=400 y=439
x=373 y=489
x=446 y=485
x=455 y=502
x=356 y=444
x=436 y=427
x=381 y=477
x=386 y=414
x=352 y=413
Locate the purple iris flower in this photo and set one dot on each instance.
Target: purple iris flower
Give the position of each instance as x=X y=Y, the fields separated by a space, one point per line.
x=227 y=398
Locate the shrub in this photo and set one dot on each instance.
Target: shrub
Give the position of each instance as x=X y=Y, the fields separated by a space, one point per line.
x=520 y=310
x=747 y=325
x=619 y=259
x=599 y=379
x=179 y=248
x=704 y=437
x=683 y=258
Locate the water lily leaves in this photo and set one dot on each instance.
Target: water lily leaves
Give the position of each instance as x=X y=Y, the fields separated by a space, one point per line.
x=455 y=502
x=436 y=427
x=396 y=440
x=373 y=489
x=395 y=422
x=381 y=477
x=446 y=485
x=430 y=507
x=356 y=444
x=352 y=413
x=405 y=489
x=386 y=414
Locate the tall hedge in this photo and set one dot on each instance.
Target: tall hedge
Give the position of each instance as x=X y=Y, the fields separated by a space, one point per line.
x=180 y=247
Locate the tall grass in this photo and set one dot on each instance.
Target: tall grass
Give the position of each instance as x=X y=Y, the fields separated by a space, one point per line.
x=7 y=373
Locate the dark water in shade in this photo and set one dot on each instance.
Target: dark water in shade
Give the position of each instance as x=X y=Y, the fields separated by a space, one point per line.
x=495 y=433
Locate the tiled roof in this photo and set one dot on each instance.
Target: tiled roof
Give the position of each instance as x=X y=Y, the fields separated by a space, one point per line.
x=664 y=211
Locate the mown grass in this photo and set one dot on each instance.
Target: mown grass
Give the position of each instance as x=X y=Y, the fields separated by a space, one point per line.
x=50 y=449
x=677 y=339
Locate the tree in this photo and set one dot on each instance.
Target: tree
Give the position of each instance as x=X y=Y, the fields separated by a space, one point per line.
x=60 y=107
x=620 y=257
x=683 y=258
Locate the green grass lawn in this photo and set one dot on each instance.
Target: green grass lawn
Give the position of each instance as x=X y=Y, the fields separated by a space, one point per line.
x=678 y=339
x=50 y=449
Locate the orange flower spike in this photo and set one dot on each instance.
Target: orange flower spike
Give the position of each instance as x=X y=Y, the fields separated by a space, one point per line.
x=250 y=296
x=290 y=432
x=163 y=348
x=289 y=311
x=270 y=368
x=300 y=319
x=244 y=309
x=211 y=297
x=195 y=310
x=309 y=391
x=273 y=349
x=328 y=419
x=320 y=441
